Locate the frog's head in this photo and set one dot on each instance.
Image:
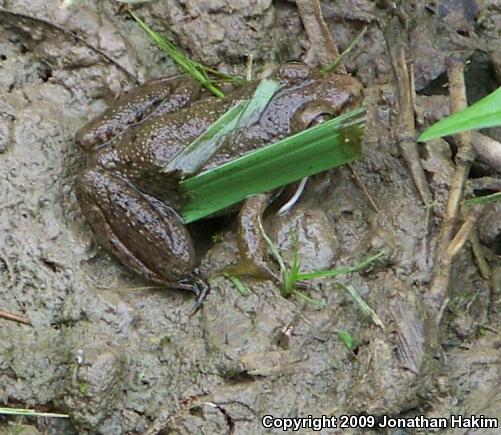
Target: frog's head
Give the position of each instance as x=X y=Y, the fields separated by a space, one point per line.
x=312 y=97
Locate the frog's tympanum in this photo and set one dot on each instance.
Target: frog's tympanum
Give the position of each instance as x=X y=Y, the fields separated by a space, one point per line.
x=130 y=202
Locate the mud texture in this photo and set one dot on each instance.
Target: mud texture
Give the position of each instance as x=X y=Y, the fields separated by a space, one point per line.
x=120 y=357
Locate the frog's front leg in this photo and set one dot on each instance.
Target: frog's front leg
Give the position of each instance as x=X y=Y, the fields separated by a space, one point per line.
x=143 y=233
x=251 y=243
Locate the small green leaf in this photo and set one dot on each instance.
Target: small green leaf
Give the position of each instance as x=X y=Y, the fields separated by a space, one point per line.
x=483 y=114
x=239 y=285
x=487 y=199
x=347 y=339
x=362 y=305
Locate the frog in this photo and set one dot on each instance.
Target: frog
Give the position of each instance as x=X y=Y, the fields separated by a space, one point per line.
x=133 y=205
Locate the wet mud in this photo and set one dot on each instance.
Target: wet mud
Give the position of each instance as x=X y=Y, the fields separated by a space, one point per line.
x=118 y=356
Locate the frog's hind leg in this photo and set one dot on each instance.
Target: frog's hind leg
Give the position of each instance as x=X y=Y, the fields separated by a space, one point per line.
x=143 y=233
x=154 y=98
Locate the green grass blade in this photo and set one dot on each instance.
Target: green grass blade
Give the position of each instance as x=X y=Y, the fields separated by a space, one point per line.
x=307 y=299
x=347 y=339
x=30 y=413
x=291 y=277
x=487 y=199
x=195 y=155
x=333 y=66
x=341 y=270
x=322 y=147
x=362 y=305
x=187 y=65
x=484 y=113
x=239 y=285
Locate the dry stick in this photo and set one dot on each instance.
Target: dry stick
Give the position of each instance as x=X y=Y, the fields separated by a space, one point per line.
x=485 y=183
x=479 y=256
x=444 y=255
x=322 y=42
x=406 y=131
x=14 y=317
x=72 y=35
x=488 y=150
x=364 y=189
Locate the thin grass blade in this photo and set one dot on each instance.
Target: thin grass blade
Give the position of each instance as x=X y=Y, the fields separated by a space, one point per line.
x=187 y=65
x=30 y=413
x=239 y=285
x=483 y=114
x=487 y=199
x=341 y=270
x=362 y=305
x=347 y=339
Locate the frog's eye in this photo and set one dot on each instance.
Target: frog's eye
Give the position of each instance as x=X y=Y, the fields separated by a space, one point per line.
x=310 y=114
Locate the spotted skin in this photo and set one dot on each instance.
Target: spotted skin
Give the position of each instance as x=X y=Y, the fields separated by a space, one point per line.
x=130 y=202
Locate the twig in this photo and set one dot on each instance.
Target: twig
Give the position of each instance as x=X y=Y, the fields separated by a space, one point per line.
x=406 y=130
x=447 y=248
x=73 y=35
x=396 y=39
x=321 y=41
x=482 y=264
x=485 y=183
x=334 y=65
x=488 y=150
x=14 y=317
x=362 y=186
x=462 y=235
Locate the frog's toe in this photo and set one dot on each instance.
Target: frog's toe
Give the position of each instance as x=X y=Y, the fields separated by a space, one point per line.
x=143 y=233
x=201 y=290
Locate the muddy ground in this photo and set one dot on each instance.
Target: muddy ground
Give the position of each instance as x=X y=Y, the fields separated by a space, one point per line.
x=121 y=358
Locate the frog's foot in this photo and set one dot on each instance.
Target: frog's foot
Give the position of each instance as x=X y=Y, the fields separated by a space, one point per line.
x=197 y=286
x=143 y=233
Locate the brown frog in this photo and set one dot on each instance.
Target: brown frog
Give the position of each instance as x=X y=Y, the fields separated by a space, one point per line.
x=130 y=202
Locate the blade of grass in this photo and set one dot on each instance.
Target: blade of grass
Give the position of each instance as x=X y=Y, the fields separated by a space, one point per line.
x=322 y=147
x=195 y=155
x=347 y=339
x=133 y=1
x=307 y=299
x=199 y=151
x=362 y=305
x=187 y=65
x=487 y=199
x=342 y=270
x=30 y=413
x=239 y=285
x=291 y=277
x=484 y=113
x=332 y=67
